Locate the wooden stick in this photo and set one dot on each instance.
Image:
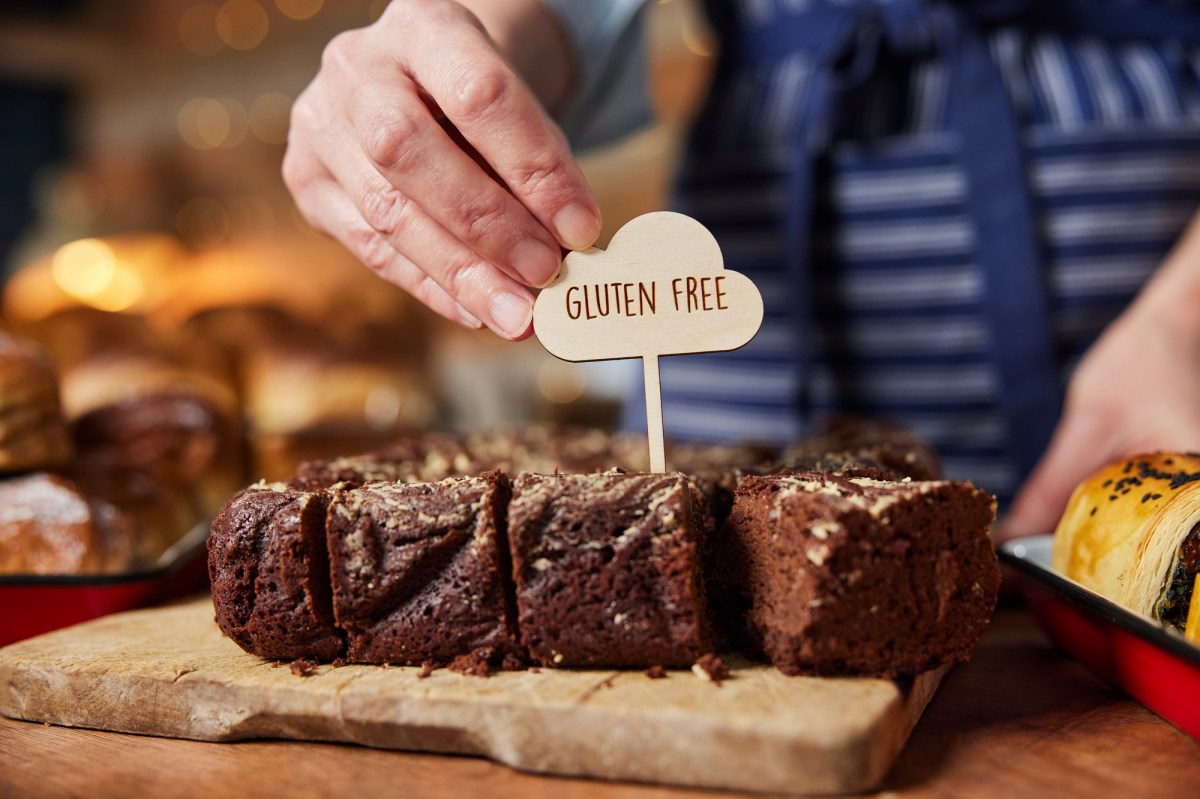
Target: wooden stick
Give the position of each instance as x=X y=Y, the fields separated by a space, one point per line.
x=654 y=421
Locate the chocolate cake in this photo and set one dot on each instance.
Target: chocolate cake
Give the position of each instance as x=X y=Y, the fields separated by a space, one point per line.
x=836 y=561
x=606 y=568
x=418 y=570
x=270 y=574
x=857 y=576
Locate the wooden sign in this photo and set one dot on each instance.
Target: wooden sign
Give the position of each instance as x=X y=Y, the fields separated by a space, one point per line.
x=661 y=288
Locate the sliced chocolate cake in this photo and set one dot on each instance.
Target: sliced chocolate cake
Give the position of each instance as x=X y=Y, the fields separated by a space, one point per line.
x=419 y=570
x=606 y=568
x=857 y=576
x=270 y=574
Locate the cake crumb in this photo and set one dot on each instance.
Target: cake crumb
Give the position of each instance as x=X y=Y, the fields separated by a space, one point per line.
x=472 y=663
x=534 y=670
x=710 y=667
x=656 y=672
x=338 y=662
x=512 y=662
x=304 y=667
x=426 y=670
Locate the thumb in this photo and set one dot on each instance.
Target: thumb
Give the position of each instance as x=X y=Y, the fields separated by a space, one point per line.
x=1077 y=449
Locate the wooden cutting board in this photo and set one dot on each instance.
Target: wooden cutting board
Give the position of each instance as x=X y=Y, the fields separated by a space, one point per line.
x=169 y=672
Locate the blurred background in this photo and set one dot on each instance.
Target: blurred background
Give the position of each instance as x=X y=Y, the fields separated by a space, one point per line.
x=143 y=222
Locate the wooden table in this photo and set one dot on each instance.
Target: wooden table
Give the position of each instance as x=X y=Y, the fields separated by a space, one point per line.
x=1020 y=720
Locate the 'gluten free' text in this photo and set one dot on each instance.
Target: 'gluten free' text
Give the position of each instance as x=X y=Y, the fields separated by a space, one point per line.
x=689 y=294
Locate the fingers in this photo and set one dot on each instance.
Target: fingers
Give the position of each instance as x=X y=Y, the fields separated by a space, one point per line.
x=466 y=216
x=413 y=153
x=381 y=223
x=500 y=117
x=324 y=200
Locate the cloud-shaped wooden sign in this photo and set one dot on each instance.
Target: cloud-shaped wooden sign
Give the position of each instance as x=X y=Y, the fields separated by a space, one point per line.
x=661 y=288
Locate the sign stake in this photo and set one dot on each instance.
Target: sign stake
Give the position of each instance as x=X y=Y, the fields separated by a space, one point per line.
x=654 y=419
x=661 y=288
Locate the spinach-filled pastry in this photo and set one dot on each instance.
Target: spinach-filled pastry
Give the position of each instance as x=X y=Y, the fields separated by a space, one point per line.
x=1131 y=533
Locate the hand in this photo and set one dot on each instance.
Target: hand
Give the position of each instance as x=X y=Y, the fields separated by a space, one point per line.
x=1136 y=390
x=420 y=149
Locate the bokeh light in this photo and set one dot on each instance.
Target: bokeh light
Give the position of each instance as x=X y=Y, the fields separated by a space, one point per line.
x=561 y=382
x=382 y=407
x=242 y=24
x=126 y=288
x=269 y=116
x=90 y=271
x=84 y=268
x=238 y=122
x=198 y=29
x=299 y=9
x=203 y=123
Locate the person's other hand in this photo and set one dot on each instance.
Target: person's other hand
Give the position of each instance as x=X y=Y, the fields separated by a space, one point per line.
x=1136 y=390
x=420 y=149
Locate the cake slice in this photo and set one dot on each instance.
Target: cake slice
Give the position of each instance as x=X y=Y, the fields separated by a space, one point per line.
x=270 y=573
x=845 y=575
x=606 y=568
x=418 y=570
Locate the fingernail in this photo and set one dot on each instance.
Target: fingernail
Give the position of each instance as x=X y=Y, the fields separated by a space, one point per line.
x=535 y=262
x=511 y=314
x=467 y=318
x=577 y=227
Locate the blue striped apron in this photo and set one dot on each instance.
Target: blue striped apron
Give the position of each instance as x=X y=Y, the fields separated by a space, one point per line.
x=798 y=164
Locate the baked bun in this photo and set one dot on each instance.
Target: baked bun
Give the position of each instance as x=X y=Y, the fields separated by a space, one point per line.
x=157 y=438
x=49 y=526
x=33 y=434
x=1131 y=533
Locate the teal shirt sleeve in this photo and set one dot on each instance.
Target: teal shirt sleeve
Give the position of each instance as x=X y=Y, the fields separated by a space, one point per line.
x=611 y=97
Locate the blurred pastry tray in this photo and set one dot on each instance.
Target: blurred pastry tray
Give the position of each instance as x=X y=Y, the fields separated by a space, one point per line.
x=31 y=604
x=1132 y=652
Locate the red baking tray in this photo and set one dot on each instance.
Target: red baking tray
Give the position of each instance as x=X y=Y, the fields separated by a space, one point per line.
x=34 y=604
x=1135 y=653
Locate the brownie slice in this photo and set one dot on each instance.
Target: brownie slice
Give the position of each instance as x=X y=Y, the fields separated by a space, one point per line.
x=418 y=570
x=270 y=573
x=425 y=458
x=606 y=568
x=857 y=576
